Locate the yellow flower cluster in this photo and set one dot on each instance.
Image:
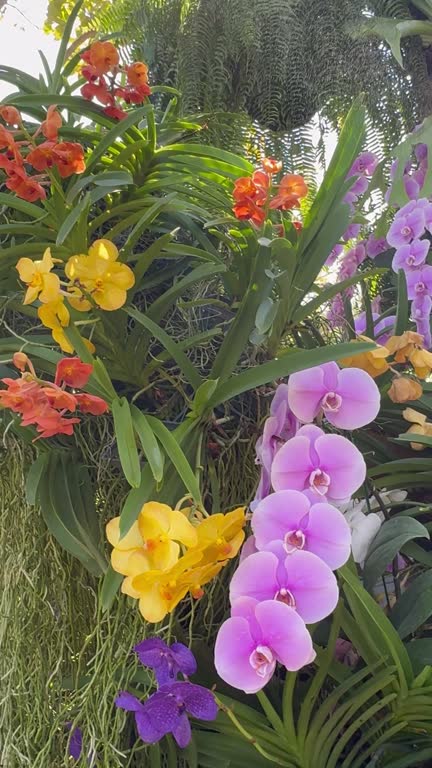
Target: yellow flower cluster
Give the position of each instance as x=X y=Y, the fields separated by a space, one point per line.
x=163 y=556
x=94 y=278
x=405 y=349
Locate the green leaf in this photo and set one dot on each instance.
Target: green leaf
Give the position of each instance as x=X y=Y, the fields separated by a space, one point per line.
x=326 y=294
x=414 y=606
x=177 y=457
x=110 y=586
x=402 y=312
x=56 y=75
x=186 y=367
x=372 y=622
x=203 y=396
x=392 y=535
x=119 y=129
x=34 y=476
x=203 y=272
x=72 y=218
x=289 y=362
x=126 y=444
x=420 y=653
x=149 y=443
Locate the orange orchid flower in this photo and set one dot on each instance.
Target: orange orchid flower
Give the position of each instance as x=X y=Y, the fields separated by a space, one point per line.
x=42 y=156
x=69 y=158
x=10 y=115
x=291 y=189
x=53 y=121
x=102 y=56
x=137 y=73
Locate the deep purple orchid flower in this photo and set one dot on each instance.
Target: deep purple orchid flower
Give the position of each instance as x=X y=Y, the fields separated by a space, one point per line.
x=255 y=638
x=406 y=227
x=279 y=427
x=290 y=517
x=327 y=465
x=348 y=398
x=167 y=710
x=383 y=329
x=375 y=246
x=419 y=281
x=410 y=255
x=301 y=580
x=166 y=661
x=75 y=741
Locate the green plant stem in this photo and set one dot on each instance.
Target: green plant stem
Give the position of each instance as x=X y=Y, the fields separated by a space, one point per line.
x=287 y=707
x=271 y=713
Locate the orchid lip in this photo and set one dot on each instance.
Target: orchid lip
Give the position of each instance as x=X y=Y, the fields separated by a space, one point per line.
x=284 y=595
x=262 y=660
x=294 y=540
x=406 y=230
x=319 y=482
x=331 y=402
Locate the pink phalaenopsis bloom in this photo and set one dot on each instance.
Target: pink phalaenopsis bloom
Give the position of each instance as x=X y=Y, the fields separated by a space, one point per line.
x=410 y=255
x=327 y=465
x=279 y=427
x=351 y=232
x=290 y=517
x=255 y=638
x=301 y=580
x=348 y=398
x=375 y=246
x=334 y=254
x=365 y=163
x=419 y=281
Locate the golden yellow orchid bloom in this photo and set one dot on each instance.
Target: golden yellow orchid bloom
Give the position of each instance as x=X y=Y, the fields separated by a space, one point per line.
x=151 y=543
x=409 y=348
x=100 y=275
x=37 y=275
x=160 y=591
x=55 y=316
x=221 y=536
x=373 y=362
x=420 y=426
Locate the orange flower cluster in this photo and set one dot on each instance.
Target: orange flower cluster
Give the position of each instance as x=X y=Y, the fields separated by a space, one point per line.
x=255 y=195
x=44 y=404
x=101 y=69
x=66 y=156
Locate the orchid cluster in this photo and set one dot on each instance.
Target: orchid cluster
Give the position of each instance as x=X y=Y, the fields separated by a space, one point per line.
x=17 y=154
x=44 y=403
x=101 y=69
x=285 y=579
x=406 y=235
x=164 y=556
x=256 y=195
x=95 y=278
x=166 y=711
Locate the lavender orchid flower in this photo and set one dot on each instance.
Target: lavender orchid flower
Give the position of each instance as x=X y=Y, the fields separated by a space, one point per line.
x=289 y=517
x=166 y=661
x=279 y=427
x=419 y=281
x=406 y=227
x=166 y=711
x=255 y=638
x=410 y=255
x=327 y=465
x=375 y=246
x=349 y=398
x=334 y=254
x=365 y=163
x=383 y=329
x=351 y=232
x=300 y=580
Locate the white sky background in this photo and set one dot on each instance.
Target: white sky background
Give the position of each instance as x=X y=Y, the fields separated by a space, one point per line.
x=21 y=36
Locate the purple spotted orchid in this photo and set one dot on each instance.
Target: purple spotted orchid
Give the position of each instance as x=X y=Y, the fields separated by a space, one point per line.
x=166 y=711
x=255 y=638
x=166 y=661
x=329 y=466
x=348 y=398
x=291 y=518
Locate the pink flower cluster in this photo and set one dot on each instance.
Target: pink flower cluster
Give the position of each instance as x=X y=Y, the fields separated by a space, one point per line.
x=406 y=233
x=285 y=579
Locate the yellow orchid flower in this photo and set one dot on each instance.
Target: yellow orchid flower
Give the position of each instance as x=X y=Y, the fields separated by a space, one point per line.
x=151 y=543
x=409 y=348
x=101 y=275
x=221 y=536
x=37 y=275
x=420 y=426
x=373 y=362
x=160 y=591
